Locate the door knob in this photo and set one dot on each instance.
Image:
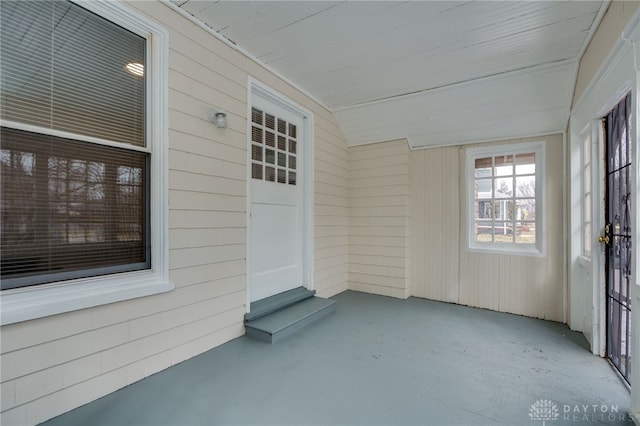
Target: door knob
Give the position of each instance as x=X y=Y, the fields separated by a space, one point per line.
x=605 y=238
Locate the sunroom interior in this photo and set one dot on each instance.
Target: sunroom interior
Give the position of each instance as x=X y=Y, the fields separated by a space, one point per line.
x=201 y=157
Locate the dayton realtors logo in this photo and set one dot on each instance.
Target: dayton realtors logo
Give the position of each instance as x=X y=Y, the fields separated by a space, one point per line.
x=545 y=410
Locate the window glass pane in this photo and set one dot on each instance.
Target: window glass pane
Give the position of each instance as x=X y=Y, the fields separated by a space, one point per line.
x=65 y=68
x=256 y=135
x=586 y=201
x=484 y=210
x=256 y=171
x=270 y=139
x=256 y=152
x=525 y=164
x=270 y=174
x=503 y=232
x=483 y=172
x=526 y=209
x=483 y=167
x=503 y=165
x=270 y=156
x=483 y=188
x=483 y=231
x=503 y=210
x=256 y=115
x=70 y=208
x=526 y=233
x=503 y=187
x=270 y=121
x=525 y=186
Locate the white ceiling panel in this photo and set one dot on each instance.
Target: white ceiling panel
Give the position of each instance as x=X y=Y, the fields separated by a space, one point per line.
x=349 y=54
x=514 y=105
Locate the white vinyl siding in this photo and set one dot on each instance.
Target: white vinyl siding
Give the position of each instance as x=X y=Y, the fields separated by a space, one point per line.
x=379 y=224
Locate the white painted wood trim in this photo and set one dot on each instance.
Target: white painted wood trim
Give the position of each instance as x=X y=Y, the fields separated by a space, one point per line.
x=594 y=27
x=39 y=301
x=539 y=248
x=597 y=252
x=632 y=35
x=257 y=88
x=608 y=64
x=610 y=84
x=565 y=232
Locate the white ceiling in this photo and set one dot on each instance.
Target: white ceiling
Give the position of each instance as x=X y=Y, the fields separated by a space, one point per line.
x=434 y=72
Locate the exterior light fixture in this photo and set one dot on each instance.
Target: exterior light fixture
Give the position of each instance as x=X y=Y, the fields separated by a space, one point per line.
x=219 y=118
x=135 y=68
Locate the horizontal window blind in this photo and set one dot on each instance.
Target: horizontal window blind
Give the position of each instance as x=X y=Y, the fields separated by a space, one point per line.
x=65 y=68
x=70 y=209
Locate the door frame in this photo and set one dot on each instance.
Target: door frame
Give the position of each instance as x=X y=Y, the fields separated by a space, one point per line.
x=599 y=250
x=256 y=88
x=618 y=75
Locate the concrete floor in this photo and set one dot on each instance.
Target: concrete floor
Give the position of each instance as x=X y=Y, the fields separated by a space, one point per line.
x=381 y=361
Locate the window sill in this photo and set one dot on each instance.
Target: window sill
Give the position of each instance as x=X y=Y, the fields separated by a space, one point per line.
x=584 y=261
x=510 y=250
x=29 y=303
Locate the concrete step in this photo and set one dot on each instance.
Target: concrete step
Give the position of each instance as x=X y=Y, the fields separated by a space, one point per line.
x=283 y=323
x=264 y=307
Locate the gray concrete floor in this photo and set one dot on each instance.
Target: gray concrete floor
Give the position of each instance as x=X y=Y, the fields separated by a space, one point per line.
x=381 y=361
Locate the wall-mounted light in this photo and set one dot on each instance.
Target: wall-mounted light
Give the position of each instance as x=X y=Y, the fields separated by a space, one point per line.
x=218 y=117
x=135 y=68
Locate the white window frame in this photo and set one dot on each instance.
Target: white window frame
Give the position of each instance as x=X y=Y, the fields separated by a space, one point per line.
x=586 y=138
x=538 y=148
x=39 y=301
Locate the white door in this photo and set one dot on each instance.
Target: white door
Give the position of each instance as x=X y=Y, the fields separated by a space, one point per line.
x=276 y=203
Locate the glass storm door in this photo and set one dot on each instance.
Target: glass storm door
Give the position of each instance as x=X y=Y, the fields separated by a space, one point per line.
x=617 y=235
x=276 y=221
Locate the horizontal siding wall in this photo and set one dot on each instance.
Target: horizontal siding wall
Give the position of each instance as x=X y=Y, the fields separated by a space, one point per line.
x=446 y=270
x=379 y=200
x=54 y=364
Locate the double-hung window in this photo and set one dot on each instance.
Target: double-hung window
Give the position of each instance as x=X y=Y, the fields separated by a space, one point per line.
x=504 y=189
x=82 y=155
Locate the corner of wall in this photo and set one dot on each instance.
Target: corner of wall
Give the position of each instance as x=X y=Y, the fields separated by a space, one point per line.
x=379 y=218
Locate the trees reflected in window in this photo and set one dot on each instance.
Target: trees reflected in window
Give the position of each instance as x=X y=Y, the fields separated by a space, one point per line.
x=70 y=205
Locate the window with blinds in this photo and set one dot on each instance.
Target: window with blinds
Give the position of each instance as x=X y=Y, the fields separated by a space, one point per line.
x=73 y=155
x=273 y=148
